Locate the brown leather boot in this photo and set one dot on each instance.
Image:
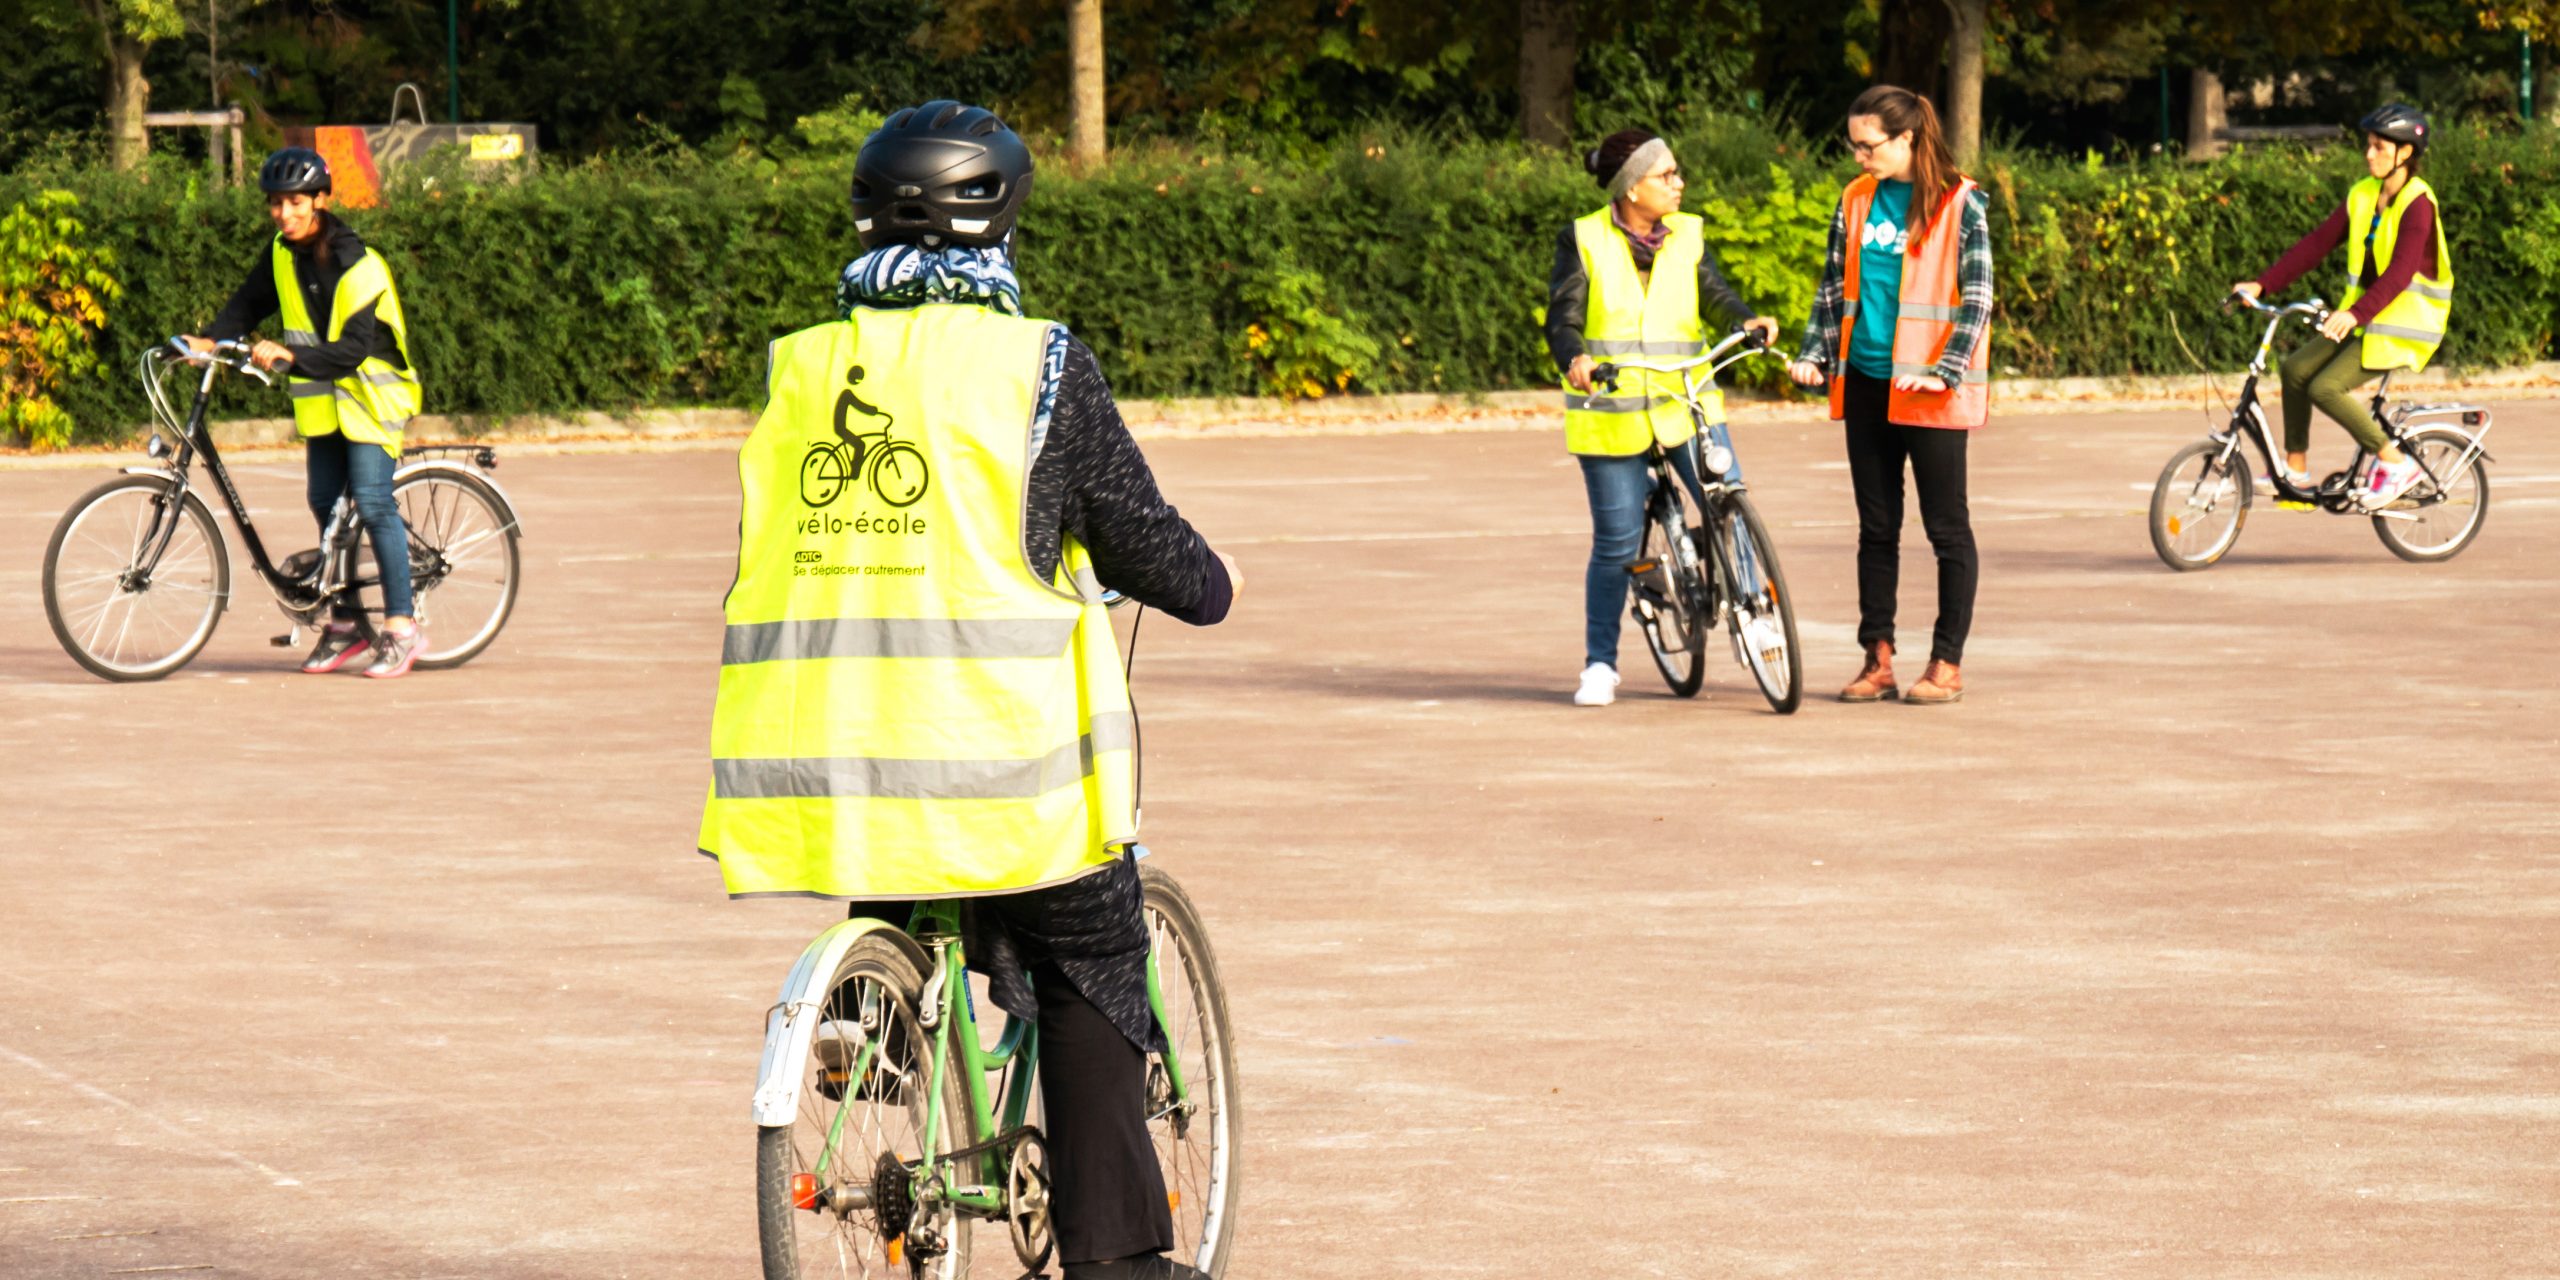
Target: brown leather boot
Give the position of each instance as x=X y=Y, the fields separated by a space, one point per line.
x=1875 y=681
x=1942 y=682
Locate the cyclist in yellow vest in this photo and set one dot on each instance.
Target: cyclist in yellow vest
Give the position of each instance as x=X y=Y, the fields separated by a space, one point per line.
x=1631 y=280
x=2398 y=291
x=345 y=350
x=920 y=696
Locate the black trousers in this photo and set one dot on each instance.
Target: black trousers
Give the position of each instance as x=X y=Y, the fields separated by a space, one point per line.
x=1878 y=450
x=1107 y=1197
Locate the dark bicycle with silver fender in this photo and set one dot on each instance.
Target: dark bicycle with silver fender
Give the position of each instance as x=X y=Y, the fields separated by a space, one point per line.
x=137 y=575
x=2203 y=496
x=1720 y=569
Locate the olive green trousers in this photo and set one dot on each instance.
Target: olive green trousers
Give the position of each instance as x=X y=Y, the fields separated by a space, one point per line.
x=2324 y=373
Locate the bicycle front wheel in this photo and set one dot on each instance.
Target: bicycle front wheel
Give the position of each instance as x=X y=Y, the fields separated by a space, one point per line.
x=124 y=604
x=2435 y=521
x=833 y=1197
x=464 y=566
x=1764 y=611
x=2199 y=505
x=1195 y=1135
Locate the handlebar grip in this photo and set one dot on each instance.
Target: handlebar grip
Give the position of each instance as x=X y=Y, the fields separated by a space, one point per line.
x=1605 y=375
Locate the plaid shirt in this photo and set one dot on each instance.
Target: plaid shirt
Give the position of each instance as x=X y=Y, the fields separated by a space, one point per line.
x=1973 y=272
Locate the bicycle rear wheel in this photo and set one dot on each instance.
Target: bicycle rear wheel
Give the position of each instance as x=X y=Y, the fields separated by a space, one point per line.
x=2199 y=505
x=464 y=566
x=1670 y=595
x=832 y=1196
x=120 y=617
x=1195 y=1139
x=2436 y=522
x=1763 y=616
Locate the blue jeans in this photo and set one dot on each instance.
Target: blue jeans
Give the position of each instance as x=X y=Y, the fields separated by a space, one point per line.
x=1618 y=488
x=338 y=465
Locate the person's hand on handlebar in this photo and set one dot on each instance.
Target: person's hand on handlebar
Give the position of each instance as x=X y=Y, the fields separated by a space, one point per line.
x=1765 y=327
x=2340 y=323
x=270 y=356
x=2247 y=290
x=1578 y=374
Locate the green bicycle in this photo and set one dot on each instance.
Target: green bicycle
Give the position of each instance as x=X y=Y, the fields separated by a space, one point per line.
x=891 y=1132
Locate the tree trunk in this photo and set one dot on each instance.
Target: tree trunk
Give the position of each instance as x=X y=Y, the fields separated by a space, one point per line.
x=2208 y=112
x=1972 y=21
x=1085 y=139
x=128 y=97
x=1911 y=45
x=1547 y=51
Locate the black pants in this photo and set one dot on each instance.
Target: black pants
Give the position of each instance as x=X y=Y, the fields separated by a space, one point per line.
x=1877 y=451
x=1106 y=1191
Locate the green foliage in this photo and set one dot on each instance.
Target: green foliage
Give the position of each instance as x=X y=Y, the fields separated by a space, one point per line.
x=54 y=290
x=1404 y=262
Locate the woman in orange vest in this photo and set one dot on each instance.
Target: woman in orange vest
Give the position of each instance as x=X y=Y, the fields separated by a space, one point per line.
x=1902 y=330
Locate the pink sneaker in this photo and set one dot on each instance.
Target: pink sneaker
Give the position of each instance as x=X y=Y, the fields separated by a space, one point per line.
x=394 y=652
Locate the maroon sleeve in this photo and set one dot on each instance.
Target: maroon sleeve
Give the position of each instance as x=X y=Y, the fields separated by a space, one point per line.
x=2306 y=253
x=2415 y=248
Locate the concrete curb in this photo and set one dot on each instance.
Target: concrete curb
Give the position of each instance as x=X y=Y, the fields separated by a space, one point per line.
x=1401 y=414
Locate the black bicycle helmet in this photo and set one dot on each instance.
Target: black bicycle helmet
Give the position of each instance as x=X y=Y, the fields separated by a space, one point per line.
x=941 y=173
x=2399 y=122
x=294 y=169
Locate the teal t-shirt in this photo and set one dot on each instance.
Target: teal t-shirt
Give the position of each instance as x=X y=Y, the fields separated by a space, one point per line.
x=1880 y=245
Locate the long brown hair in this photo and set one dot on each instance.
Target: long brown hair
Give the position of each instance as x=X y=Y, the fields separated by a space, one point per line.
x=1933 y=167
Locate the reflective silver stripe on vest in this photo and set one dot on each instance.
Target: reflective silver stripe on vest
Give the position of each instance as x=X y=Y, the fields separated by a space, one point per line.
x=301 y=338
x=1931 y=371
x=2398 y=331
x=844 y=777
x=1849 y=309
x=304 y=388
x=386 y=377
x=1929 y=311
x=1613 y=404
x=2439 y=292
x=896 y=638
x=1642 y=347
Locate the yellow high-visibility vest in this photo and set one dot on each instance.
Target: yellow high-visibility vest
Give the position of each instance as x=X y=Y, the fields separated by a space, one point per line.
x=2407 y=331
x=1628 y=320
x=373 y=404
x=905 y=711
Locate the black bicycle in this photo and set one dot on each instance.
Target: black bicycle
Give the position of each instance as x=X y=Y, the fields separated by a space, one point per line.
x=2203 y=496
x=1719 y=569
x=136 y=575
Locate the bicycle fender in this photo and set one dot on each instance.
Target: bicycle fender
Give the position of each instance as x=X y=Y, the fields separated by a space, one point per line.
x=791 y=1026
x=157 y=473
x=448 y=466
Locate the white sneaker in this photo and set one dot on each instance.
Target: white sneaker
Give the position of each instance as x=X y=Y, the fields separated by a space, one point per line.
x=1599 y=686
x=2384 y=484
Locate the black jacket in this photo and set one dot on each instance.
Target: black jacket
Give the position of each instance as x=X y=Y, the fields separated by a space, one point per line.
x=255 y=300
x=1569 y=297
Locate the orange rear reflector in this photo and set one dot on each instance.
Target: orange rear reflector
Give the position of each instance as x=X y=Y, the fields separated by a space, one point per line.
x=1173 y=1201
x=804 y=1191
x=898 y=1252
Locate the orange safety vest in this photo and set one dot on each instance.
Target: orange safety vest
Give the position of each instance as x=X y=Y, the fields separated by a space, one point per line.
x=1932 y=295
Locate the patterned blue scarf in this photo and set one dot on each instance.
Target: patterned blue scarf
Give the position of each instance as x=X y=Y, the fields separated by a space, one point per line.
x=897 y=276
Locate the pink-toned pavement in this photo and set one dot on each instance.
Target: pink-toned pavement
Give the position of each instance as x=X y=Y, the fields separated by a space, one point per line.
x=2212 y=935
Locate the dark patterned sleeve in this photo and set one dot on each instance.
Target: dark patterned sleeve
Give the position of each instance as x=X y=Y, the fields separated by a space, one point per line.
x=1091 y=482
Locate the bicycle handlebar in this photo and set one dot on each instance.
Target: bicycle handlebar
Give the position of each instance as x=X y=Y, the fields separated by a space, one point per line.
x=230 y=353
x=1606 y=373
x=2314 y=308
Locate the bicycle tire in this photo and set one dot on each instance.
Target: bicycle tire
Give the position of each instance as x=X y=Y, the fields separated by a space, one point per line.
x=1681 y=654
x=1201 y=1175
x=894 y=965
x=192 y=638
x=1784 y=688
x=2172 y=518
x=487 y=607
x=2441 y=448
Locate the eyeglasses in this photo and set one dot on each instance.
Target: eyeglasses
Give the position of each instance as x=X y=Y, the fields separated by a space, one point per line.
x=1668 y=175
x=1862 y=150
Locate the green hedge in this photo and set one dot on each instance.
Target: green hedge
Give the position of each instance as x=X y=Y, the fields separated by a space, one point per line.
x=1403 y=266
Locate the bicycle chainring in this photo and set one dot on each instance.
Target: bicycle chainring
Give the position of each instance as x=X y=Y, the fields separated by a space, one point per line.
x=1026 y=1203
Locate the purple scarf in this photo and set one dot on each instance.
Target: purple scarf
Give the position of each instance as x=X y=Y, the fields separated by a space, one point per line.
x=1643 y=246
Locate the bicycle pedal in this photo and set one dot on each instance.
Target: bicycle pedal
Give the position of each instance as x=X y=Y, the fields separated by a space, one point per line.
x=2288 y=504
x=288 y=640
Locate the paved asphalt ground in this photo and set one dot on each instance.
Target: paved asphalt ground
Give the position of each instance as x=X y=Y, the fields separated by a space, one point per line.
x=2213 y=935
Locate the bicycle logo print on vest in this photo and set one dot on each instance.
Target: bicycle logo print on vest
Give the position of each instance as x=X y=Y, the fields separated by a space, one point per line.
x=373 y=405
x=894 y=469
